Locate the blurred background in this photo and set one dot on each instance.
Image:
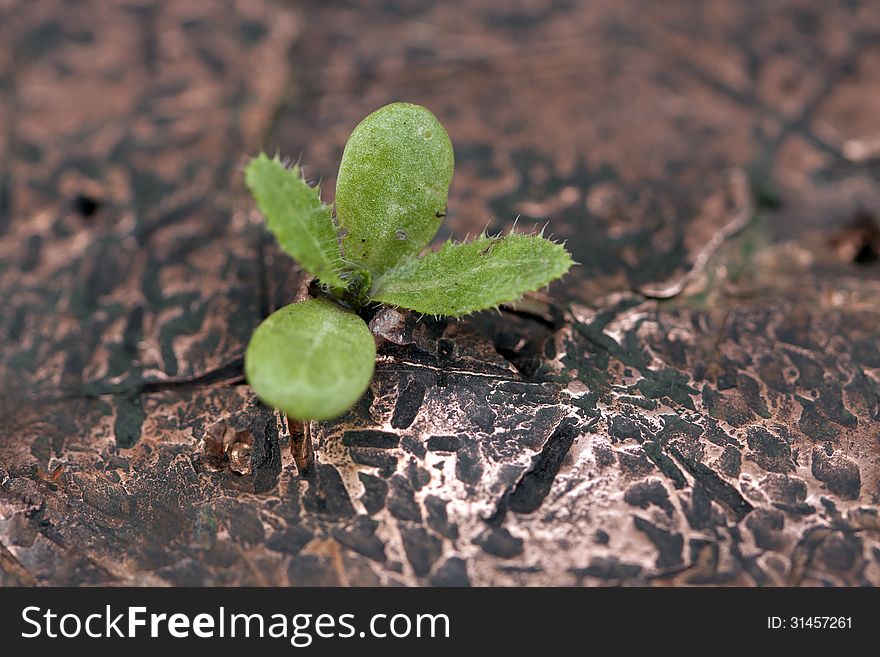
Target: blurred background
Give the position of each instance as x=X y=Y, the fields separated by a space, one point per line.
x=714 y=166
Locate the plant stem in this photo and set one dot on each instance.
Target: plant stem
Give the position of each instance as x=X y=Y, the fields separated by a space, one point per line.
x=301 y=445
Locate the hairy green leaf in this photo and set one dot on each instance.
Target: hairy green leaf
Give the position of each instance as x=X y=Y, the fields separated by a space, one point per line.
x=392 y=185
x=301 y=223
x=470 y=276
x=313 y=360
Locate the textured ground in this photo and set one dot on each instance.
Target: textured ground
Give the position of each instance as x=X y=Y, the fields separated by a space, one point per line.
x=698 y=402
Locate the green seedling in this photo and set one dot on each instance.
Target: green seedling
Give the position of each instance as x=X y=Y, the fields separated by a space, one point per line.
x=314 y=359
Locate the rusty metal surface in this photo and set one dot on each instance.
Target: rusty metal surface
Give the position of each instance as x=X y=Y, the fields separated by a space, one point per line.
x=697 y=403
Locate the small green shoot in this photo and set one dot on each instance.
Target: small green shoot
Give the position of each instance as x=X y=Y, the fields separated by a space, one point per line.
x=314 y=359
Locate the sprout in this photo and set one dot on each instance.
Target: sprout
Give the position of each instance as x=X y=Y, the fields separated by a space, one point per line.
x=314 y=359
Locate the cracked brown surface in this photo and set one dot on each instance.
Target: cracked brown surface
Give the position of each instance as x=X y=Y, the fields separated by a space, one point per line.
x=728 y=434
